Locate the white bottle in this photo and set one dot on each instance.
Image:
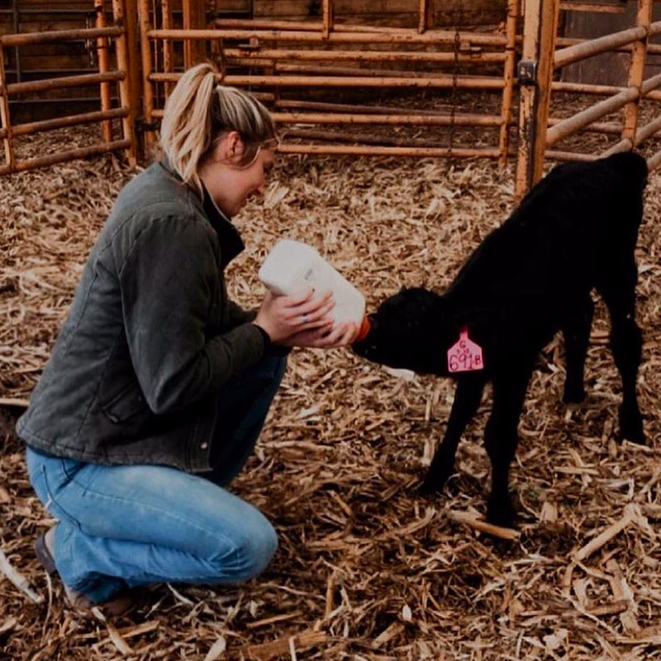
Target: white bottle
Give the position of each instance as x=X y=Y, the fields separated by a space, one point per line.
x=293 y=267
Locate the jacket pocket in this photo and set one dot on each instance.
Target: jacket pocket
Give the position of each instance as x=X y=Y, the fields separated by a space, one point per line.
x=128 y=402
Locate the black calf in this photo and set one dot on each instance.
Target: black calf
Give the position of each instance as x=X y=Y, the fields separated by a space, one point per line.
x=574 y=232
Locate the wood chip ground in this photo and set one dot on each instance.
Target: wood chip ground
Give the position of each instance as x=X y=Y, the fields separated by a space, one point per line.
x=367 y=569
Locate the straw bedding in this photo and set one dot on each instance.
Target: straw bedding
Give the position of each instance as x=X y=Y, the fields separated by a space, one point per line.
x=367 y=569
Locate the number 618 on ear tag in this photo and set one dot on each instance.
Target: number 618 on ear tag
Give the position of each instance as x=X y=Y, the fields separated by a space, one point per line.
x=465 y=355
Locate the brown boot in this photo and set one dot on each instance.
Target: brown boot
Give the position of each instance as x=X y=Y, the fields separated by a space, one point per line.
x=43 y=548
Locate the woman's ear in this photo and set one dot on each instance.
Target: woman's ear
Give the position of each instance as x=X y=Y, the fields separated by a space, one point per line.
x=234 y=146
x=228 y=147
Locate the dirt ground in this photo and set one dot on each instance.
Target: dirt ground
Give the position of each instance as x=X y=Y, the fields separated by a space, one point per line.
x=367 y=569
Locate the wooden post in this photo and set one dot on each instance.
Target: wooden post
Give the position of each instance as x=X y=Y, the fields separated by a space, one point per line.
x=535 y=77
x=147 y=85
x=128 y=123
x=194 y=19
x=508 y=75
x=328 y=18
x=102 y=53
x=4 y=113
x=168 y=50
x=637 y=70
x=216 y=46
x=133 y=55
x=424 y=22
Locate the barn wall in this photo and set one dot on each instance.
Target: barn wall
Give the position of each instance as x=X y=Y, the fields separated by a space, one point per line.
x=390 y=12
x=608 y=68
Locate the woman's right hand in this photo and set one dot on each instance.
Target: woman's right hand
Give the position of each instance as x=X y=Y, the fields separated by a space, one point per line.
x=284 y=316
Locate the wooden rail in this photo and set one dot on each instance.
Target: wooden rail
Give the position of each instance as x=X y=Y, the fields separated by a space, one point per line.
x=247 y=56
x=459 y=119
x=365 y=150
x=601 y=109
x=66 y=122
x=604 y=44
x=63 y=82
x=436 y=82
x=57 y=36
x=62 y=157
x=593 y=7
x=580 y=120
x=429 y=37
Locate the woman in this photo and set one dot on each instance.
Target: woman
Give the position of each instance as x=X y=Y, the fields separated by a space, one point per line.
x=158 y=384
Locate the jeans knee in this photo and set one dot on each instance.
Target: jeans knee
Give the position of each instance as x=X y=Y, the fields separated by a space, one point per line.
x=258 y=550
x=252 y=550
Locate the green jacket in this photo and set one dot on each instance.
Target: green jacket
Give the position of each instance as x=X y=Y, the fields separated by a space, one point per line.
x=150 y=336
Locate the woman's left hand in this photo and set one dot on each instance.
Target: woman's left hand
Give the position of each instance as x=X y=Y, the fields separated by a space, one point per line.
x=321 y=338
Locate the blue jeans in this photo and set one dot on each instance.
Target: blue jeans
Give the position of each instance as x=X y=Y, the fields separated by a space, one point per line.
x=126 y=526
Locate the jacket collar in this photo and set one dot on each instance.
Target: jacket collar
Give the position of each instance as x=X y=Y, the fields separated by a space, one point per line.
x=231 y=243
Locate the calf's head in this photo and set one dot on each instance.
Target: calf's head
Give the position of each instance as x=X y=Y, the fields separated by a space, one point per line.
x=406 y=332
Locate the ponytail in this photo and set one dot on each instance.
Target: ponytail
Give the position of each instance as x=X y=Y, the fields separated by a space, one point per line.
x=199 y=111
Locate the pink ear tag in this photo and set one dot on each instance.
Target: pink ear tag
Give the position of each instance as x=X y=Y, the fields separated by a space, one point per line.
x=465 y=355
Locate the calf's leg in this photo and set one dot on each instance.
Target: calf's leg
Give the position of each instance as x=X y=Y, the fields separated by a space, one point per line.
x=468 y=396
x=576 y=331
x=501 y=439
x=618 y=291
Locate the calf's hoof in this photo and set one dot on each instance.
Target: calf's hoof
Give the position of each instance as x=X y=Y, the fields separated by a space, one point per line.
x=633 y=433
x=501 y=514
x=435 y=481
x=429 y=488
x=631 y=426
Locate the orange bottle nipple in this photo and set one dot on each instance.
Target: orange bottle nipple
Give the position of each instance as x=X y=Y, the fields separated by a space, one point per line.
x=364 y=329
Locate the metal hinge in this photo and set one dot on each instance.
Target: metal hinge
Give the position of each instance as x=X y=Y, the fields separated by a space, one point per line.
x=527 y=72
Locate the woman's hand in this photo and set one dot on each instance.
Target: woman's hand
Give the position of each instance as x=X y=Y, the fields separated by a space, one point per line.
x=286 y=317
x=323 y=338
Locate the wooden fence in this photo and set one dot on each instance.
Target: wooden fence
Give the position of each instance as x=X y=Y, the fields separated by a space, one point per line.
x=104 y=77
x=543 y=54
x=287 y=62
x=295 y=66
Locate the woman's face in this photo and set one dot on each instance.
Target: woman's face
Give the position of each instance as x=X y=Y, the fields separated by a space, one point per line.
x=229 y=183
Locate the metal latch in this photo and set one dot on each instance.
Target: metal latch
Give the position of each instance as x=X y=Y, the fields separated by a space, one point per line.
x=527 y=73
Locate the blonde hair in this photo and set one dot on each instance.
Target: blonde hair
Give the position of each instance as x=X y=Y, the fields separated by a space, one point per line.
x=199 y=112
